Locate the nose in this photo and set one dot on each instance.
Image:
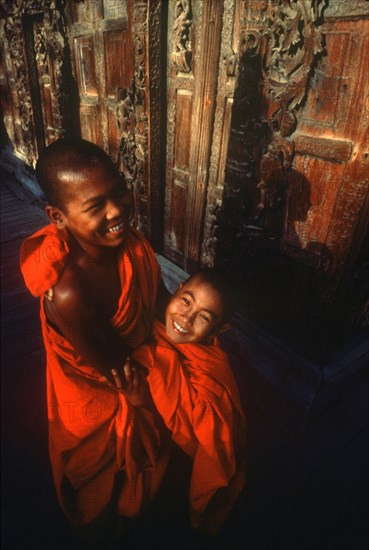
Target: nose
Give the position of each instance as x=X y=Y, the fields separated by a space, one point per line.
x=188 y=317
x=113 y=209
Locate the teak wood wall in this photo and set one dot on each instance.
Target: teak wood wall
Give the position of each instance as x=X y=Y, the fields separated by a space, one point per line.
x=242 y=126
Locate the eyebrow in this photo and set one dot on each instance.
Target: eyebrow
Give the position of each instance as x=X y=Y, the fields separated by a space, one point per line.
x=194 y=299
x=92 y=199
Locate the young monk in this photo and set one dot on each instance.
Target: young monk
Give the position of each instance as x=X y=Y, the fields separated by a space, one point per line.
x=97 y=279
x=195 y=392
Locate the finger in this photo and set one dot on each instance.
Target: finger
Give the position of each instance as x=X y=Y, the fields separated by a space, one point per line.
x=142 y=375
x=128 y=370
x=106 y=381
x=117 y=379
x=136 y=376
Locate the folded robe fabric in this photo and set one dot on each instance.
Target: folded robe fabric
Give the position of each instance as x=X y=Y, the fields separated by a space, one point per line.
x=195 y=392
x=94 y=432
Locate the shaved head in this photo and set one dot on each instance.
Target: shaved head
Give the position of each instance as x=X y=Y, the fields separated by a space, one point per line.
x=65 y=163
x=226 y=286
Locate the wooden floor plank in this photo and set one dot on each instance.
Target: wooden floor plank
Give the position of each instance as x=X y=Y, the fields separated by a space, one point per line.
x=20 y=296
x=11 y=314
x=320 y=500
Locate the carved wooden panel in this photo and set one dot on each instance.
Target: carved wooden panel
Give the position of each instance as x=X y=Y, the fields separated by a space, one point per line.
x=103 y=62
x=183 y=129
x=85 y=54
x=116 y=52
x=38 y=106
x=181 y=43
x=193 y=38
x=332 y=150
x=227 y=75
x=295 y=213
x=117 y=72
x=114 y=47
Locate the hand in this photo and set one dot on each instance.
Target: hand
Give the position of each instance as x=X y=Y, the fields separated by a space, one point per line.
x=136 y=388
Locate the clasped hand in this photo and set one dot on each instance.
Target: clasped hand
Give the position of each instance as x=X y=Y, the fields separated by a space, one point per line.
x=134 y=385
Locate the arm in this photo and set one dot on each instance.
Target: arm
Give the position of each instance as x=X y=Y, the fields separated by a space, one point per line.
x=75 y=315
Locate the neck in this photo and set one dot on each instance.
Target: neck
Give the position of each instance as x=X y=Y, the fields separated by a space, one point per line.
x=89 y=253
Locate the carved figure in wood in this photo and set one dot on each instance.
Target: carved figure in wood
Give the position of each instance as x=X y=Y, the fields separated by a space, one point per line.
x=181 y=55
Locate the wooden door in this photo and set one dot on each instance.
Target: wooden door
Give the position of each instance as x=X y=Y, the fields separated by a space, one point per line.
x=295 y=208
x=332 y=152
x=103 y=58
x=91 y=68
x=35 y=76
x=196 y=36
x=117 y=65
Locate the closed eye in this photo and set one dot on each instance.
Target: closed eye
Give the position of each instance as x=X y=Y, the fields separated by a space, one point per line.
x=203 y=316
x=95 y=206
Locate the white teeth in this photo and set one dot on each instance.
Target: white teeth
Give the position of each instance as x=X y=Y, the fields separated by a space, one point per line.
x=116 y=228
x=179 y=328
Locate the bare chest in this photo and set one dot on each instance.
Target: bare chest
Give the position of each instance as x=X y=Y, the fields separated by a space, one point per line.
x=104 y=287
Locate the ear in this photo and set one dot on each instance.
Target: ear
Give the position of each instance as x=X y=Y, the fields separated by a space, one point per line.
x=56 y=216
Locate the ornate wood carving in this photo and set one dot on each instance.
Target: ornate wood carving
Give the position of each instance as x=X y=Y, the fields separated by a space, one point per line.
x=336 y=150
x=20 y=90
x=181 y=54
x=227 y=72
x=293 y=42
x=113 y=42
x=156 y=132
x=248 y=132
x=278 y=48
x=133 y=123
x=191 y=107
x=296 y=153
x=334 y=120
x=179 y=117
x=342 y=8
x=38 y=71
x=205 y=103
x=126 y=125
x=139 y=141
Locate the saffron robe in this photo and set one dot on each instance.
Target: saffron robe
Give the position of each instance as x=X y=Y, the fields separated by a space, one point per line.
x=94 y=432
x=196 y=394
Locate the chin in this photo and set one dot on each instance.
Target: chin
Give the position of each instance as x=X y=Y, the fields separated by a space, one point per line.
x=118 y=241
x=173 y=336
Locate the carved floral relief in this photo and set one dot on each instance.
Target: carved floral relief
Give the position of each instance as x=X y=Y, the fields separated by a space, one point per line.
x=47 y=48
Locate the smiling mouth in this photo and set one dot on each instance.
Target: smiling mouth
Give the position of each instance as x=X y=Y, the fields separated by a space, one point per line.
x=180 y=329
x=116 y=228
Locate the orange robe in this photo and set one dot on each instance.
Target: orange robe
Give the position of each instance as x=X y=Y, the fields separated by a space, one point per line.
x=94 y=432
x=195 y=392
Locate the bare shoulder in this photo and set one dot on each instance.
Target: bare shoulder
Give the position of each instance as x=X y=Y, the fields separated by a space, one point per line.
x=71 y=297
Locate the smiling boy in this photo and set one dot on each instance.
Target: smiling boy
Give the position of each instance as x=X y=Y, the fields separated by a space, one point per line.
x=97 y=279
x=195 y=392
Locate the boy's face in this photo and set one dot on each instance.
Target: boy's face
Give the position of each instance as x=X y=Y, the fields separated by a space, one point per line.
x=96 y=206
x=194 y=312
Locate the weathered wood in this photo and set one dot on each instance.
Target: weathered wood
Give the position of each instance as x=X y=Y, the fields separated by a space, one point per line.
x=295 y=203
x=103 y=59
x=81 y=68
x=336 y=150
x=194 y=31
x=181 y=85
x=39 y=106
